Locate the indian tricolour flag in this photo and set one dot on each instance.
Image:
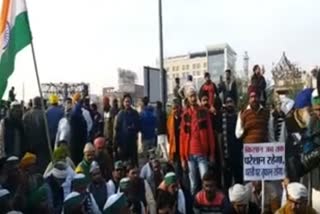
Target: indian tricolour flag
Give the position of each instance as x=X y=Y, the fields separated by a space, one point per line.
x=15 y=34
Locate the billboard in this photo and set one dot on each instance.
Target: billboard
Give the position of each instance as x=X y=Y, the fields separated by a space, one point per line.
x=153 y=87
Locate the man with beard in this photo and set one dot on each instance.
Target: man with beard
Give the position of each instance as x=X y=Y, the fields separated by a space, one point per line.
x=239 y=196
x=127 y=126
x=141 y=189
x=103 y=158
x=197 y=143
x=12 y=132
x=254 y=124
x=173 y=132
x=297 y=200
x=231 y=152
x=98 y=186
x=170 y=185
x=117 y=174
x=209 y=199
x=88 y=156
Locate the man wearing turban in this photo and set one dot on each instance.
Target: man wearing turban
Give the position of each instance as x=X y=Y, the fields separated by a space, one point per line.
x=297 y=200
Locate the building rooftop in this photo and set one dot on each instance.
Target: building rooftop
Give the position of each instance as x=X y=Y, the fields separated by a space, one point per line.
x=210 y=49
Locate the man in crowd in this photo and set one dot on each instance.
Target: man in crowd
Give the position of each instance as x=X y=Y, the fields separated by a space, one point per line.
x=117 y=203
x=229 y=87
x=189 y=84
x=176 y=90
x=64 y=129
x=87 y=114
x=211 y=89
x=117 y=174
x=80 y=184
x=239 y=196
x=271 y=198
x=127 y=126
x=73 y=204
x=259 y=83
x=151 y=172
x=170 y=185
x=148 y=127
x=79 y=131
x=173 y=132
x=197 y=144
x=140 y=188
x=88 y=157
x=54 y=115
x=297 y=200
x=253 y=124
x=102 y=157
x=12 y=95
x=12 y=132
x=97 y=126
x=162 y=130
x=53 y=186
x=98 y=186
x=231 y=146
x=209 y=199
x=35 y=134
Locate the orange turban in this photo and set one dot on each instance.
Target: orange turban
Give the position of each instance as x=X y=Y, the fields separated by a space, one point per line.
x=27 y=160
x=76 y=97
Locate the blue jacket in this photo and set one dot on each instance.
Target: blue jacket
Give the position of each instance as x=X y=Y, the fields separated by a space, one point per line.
x=148 y=123
x=54 y=115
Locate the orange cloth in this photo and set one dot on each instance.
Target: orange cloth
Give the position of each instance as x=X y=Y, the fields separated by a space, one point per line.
x=207 y=140
x=171 y=135
x=27 y=160
x=76 y=97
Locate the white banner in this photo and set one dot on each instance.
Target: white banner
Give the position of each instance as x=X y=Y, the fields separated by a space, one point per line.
x=264 y=161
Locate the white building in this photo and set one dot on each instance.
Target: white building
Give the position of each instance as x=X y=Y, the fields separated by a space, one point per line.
x=215 y=60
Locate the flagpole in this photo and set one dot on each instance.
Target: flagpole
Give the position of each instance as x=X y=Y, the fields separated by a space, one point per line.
x=42 y=100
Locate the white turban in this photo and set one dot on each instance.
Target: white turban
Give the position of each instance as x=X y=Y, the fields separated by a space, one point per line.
x=239 y=193
x=60 y=170
x=286 y=105
x=88 y=148
x=297 y=191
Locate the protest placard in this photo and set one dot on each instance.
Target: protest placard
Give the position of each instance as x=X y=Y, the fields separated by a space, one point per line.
x=264 y=161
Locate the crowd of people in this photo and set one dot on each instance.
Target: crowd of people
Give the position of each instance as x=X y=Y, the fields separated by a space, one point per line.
x=187 y=160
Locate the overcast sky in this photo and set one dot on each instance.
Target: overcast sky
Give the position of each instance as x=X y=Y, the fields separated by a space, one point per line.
x=87 y=40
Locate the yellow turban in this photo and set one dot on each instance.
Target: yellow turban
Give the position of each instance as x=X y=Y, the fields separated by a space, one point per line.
x=76 y=97
x=53 y=99
x=28 y=160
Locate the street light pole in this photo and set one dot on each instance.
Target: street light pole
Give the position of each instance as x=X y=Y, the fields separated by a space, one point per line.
x=162 y=73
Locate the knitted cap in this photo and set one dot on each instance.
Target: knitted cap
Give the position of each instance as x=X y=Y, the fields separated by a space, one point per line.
x=124 y=183
x=118 y=165
x=79 y=180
